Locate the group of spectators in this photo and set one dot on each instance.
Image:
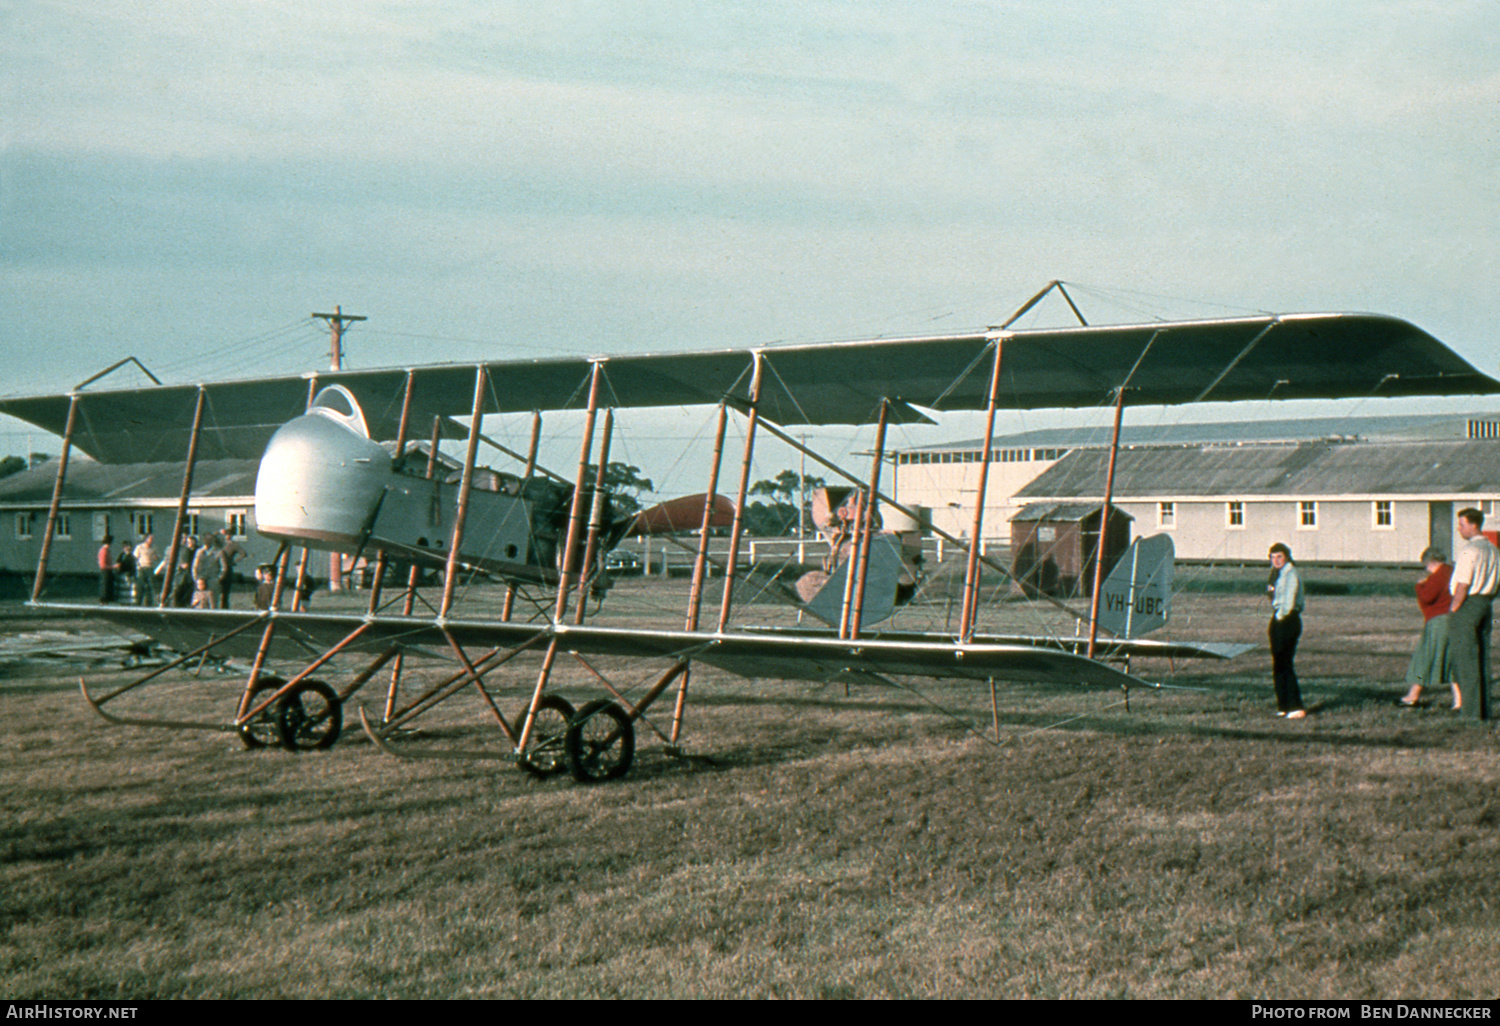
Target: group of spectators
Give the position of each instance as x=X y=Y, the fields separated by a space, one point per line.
x=1458 y=606
x=136 y=574
x=1457 y=603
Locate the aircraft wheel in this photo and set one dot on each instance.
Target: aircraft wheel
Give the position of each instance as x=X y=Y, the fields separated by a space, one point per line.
x=600 y=742
x=310 y=717
x=544 y=754
x=262 y=731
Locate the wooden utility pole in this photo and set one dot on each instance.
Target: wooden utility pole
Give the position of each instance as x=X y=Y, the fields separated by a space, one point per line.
x=336 y=322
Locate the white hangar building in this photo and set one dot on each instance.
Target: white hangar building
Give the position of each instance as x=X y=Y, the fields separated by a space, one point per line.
x=129 y=501
x=125 y=501
x=1360 y=490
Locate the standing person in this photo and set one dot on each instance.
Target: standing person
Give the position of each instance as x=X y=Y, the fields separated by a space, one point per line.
x=182 y=586
x=1285 y=592
x=1430 y=663
x=205 y=563
x=106 y=561
x=145 y=566
x=265 y=585
x=228 y=551
x=125 y=568
x=1476 y=580
x=202 y=597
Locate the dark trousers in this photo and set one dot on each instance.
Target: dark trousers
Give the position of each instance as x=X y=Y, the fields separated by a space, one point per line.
x=1284 y=635
x=1469 y=641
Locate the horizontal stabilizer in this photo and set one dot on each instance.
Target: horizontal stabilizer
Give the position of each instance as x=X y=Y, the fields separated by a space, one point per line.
x=1113 y=649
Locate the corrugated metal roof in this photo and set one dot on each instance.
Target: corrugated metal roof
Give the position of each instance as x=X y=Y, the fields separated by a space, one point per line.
x=1312 y=468
x=1062 y=512
x=103 y=484
x=1377 y=428
x=91 y=483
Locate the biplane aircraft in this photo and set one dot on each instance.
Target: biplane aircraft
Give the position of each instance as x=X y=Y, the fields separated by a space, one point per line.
x=339 y=472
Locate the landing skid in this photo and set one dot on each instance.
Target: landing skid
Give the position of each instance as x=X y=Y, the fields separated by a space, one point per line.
x=142 y=721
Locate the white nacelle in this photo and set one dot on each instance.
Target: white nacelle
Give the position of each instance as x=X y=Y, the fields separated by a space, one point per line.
x=322 y=478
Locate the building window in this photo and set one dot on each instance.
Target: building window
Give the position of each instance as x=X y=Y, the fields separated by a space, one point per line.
x=64 y=527
x=237 y=526
x=1307 y=516
x=1166 y=515
x=1385 y=516
x=1234 y=514
x=25 y=523
x=140 y=523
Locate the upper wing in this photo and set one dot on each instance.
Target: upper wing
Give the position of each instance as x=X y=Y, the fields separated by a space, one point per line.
x=786 y=656
x=1296 y=356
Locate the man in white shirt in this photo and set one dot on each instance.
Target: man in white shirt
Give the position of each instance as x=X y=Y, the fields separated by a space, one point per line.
x=1476 y=581
x=145 y=566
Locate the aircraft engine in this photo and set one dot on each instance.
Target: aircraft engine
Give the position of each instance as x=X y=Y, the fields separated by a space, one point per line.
x=321 y=478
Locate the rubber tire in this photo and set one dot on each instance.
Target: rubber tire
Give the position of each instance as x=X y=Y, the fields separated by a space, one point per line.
x=546 y=753
x=263 y=731
x=587 y=731
x=293 y=717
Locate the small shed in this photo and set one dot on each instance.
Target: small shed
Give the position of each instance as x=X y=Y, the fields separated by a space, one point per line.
x=1053 y=545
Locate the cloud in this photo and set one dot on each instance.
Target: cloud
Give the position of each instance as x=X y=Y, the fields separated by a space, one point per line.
x=609 y=175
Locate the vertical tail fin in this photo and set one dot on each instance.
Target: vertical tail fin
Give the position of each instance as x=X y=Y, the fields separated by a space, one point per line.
x=881 y=582
x=1136 y=598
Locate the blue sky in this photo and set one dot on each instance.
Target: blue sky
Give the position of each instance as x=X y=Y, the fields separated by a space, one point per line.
x=186 y=182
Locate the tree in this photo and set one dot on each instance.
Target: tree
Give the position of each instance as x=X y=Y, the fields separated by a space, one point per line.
x=11 y=465
x=620 y=480
x=787 y=492
x=786 y=487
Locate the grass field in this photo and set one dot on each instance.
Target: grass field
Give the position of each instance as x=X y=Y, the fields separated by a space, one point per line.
x=811 y=845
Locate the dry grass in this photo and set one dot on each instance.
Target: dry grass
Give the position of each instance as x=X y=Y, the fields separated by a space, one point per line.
x=869 y=846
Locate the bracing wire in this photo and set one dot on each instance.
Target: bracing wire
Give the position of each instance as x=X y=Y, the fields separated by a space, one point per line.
x=265 y=348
